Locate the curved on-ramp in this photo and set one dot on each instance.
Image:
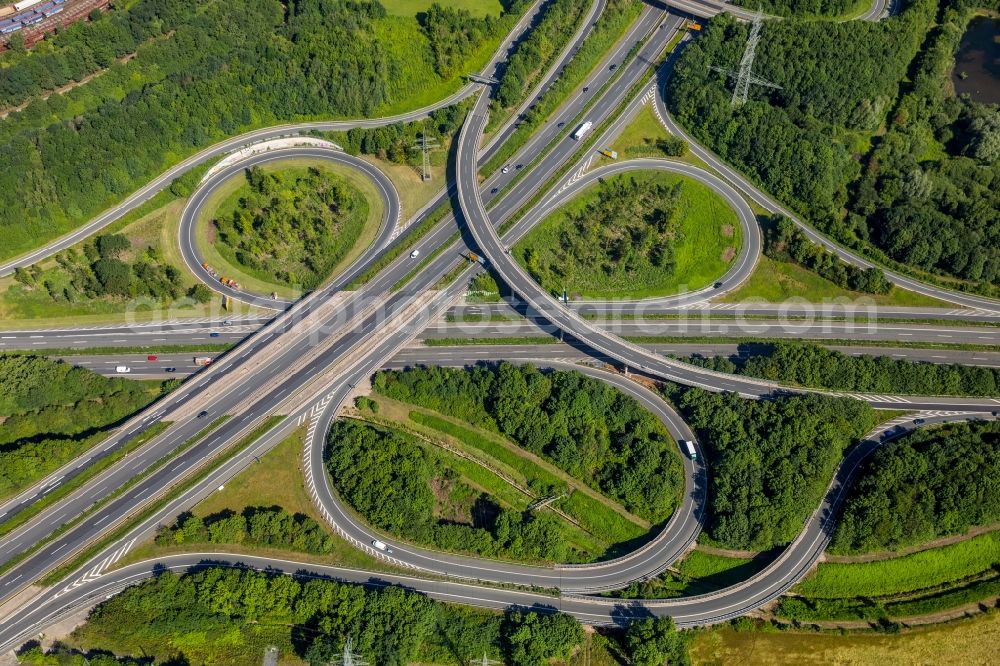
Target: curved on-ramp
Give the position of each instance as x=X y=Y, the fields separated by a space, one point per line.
x=797 y=559
x=188 y=229
x=672 y=540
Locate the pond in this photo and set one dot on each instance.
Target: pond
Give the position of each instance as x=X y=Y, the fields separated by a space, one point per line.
x=977 y=64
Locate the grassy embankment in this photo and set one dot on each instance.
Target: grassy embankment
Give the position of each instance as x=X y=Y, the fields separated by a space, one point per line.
x=709 y=240
x=226 y=200
x=926 y=582
x=277 y=480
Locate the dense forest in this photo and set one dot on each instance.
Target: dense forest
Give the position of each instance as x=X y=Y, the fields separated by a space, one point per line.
x=770 y=460
x=928 y=196
x=532 y=54
x=784 y=240
x=403 y=488
x=800 y=7
x=109 y=268
x=312 y=619
x=50 y=411
x=928 y=484
x=834 y=78
x=809 y=364
x=293 y=227
x=617 y=240
x=590 y=430
x=270 y=527
x=906 y=179
x=228 y=67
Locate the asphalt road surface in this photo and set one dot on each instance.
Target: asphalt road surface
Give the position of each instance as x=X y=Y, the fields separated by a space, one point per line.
x=188 y=228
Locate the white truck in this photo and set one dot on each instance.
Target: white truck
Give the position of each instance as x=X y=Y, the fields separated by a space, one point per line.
x=582 y=130
x=690 y=450
x=381 y=545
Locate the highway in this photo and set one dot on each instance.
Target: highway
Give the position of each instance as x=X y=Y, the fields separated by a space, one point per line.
x=752 y=328
x=730 y=318
x=417 y=354
x=89 y=589
x=254 y=379
x=307 y=361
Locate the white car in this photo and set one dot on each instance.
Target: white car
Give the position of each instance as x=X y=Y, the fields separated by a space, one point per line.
x=505 y=169
x=414 y=254
x=123 y=369
x=381 y=545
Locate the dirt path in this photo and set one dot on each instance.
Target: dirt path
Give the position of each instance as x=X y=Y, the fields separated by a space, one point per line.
x=726 y=552
x=966 y=610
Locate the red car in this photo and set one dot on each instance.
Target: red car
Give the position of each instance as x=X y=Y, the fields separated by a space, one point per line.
x=150 y=358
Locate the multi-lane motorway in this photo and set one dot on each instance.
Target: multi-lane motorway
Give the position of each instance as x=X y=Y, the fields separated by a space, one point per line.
x=306 y=362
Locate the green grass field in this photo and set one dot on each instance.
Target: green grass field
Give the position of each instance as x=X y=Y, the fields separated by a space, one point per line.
x=970 y=642
x=710 y=240
x=412 y=7
x=778 y=281
x=918 y=571
x=226 y=198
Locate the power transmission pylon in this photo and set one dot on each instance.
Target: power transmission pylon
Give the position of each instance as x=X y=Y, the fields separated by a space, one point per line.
x=744 y=77
x=426 y=144
x=349 y=658
x=485 y=661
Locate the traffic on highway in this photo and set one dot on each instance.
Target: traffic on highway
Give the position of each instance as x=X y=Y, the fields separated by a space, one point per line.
x=296 y=363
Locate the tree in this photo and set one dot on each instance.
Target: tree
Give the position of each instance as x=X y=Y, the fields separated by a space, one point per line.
x=533 y=639
x=114 y=275
x=24 y=277
x=111 y=246
x=655 y=642
x=985 y=144
x=200 y=292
